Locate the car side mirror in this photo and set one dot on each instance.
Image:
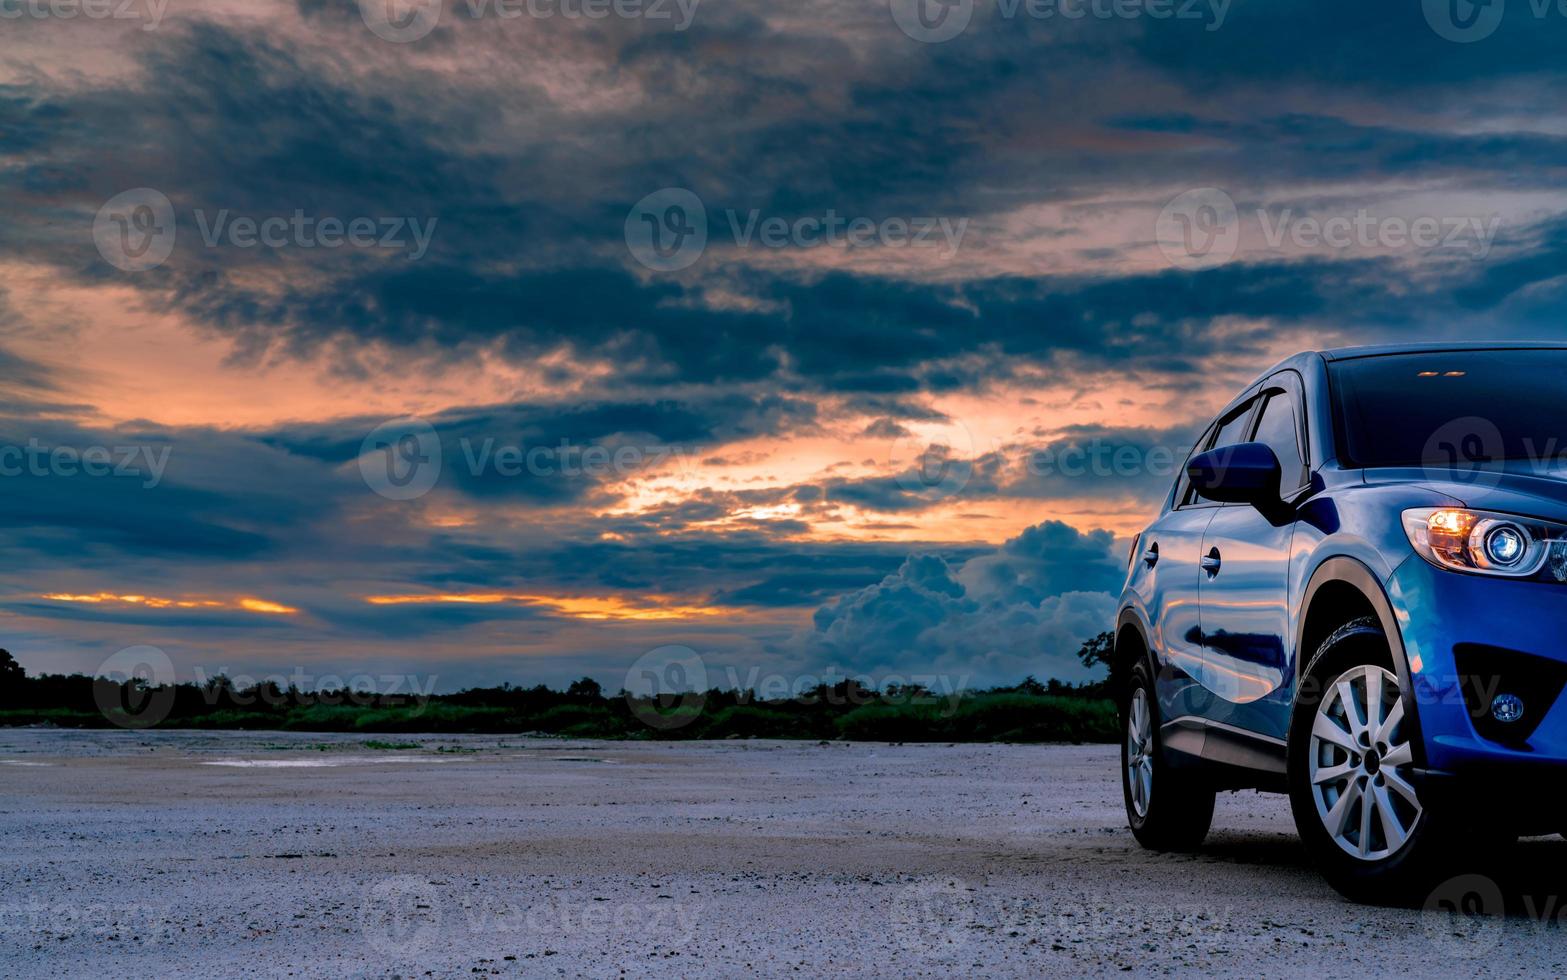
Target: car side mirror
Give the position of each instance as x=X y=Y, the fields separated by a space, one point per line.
x=1247 y=473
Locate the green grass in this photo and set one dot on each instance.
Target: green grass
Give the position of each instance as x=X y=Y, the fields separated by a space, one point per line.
x=64 y=717
x=985 y=718
x=994 y=716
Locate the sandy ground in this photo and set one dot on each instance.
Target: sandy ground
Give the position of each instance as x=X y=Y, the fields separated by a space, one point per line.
x=238 y=854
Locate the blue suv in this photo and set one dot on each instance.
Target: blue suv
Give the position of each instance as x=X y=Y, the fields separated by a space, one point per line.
x=1356 y=594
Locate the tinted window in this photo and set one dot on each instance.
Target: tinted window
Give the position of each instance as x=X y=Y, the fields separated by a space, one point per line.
x=1452 y=408
x=1277 y=428
x=1183 y=491
x=1233 y=429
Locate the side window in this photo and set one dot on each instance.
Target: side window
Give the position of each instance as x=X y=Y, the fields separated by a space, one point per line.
x=1277 y=428
x=1232 y=430
x=1227 y=431
x=1181 y=496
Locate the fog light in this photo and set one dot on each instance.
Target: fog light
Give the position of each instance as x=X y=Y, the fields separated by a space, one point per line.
x=1507 y=708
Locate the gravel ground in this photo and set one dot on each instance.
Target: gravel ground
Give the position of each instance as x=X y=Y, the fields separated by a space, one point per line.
x=243 y=854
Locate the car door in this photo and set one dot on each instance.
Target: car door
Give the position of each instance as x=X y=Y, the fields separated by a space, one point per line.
x=1168 y=553
x=1244 y=581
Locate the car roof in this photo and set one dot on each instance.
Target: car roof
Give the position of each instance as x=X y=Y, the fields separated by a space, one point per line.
x=1349 y=353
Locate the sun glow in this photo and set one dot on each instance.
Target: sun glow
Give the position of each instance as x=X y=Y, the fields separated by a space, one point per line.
x=576 y=607
x=160 y=602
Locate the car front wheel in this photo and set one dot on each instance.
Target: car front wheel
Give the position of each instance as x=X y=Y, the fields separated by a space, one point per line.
x=1351 y=756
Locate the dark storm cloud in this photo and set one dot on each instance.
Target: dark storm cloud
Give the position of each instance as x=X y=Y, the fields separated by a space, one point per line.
x=93 y=497
x=566 y=452
x=1387 y=47
x=231 y=120
x=1082 y=462
x=733 y=569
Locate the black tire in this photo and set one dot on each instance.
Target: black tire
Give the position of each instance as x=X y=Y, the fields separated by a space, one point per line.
x=1176 y=815
x=1436 y=838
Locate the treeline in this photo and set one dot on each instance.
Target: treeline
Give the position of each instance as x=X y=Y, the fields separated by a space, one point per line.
x=1027 y=712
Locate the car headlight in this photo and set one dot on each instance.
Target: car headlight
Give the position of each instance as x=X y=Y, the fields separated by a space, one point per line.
x=1488 y=543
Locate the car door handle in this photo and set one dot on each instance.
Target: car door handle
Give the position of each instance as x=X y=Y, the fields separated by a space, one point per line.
x=1151 y=556
x=1211 y=562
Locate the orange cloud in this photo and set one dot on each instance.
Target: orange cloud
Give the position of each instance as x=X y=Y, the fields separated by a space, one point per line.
x=160 y=602
x=576 y=607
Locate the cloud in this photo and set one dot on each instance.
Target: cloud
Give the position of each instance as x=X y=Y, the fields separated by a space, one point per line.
x=1023 y=609
x=1057 y=333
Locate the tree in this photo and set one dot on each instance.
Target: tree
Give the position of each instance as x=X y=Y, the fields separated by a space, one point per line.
x=1097 y=650
x=11 y=672
x=12 y=678
x=585 y=688
x=1031 y=685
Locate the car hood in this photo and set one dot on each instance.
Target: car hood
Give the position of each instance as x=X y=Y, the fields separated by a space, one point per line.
x=1526 y=488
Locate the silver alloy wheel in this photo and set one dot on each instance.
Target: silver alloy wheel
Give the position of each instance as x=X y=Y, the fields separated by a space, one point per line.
x=1139 y=751
x=1358 y=748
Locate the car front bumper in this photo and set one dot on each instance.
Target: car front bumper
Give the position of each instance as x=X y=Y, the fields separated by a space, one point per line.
x=1469 y=638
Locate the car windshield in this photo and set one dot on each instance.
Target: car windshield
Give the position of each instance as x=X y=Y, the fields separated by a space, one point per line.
x=1451 y=408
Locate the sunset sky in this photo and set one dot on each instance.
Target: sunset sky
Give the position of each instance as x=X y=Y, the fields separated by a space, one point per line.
x=819 y=455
